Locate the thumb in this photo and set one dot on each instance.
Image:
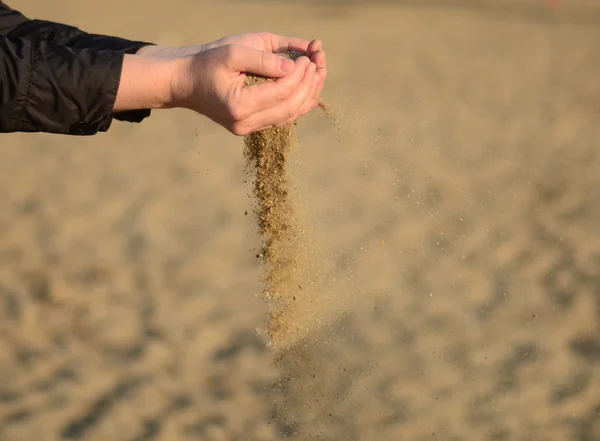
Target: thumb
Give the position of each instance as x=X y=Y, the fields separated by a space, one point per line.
x=266 y=64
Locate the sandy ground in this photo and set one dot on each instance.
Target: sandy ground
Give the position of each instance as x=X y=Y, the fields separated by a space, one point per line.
x=457 y=211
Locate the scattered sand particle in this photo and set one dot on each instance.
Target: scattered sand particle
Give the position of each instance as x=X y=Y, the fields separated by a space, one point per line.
x=285 y=249
x=267 y=153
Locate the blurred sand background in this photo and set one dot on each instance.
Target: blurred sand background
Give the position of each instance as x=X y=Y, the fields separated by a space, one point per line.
x=459 y=208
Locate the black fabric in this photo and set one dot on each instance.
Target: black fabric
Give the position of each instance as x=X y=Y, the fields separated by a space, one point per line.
x=9 y=19
x=56 y=78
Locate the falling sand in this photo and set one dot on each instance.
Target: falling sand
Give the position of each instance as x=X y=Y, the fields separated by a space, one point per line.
x=293 y=273
x=308 y=297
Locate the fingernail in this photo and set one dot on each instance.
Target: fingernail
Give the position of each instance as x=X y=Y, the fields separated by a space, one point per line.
x=287 y=65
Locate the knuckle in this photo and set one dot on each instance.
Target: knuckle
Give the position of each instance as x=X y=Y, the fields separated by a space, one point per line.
x=230 y=52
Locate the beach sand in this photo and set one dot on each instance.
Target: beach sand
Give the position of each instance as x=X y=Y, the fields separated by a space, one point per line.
x=454 y=216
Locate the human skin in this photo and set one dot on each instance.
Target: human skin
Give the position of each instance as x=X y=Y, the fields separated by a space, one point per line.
x=210 y=80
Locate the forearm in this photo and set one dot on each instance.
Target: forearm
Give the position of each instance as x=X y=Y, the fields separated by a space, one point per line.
x=146 y=83
x=156 y=51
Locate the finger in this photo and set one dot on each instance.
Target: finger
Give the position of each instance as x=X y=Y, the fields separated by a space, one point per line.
x=288 y=109
x=310 y=104
x=267 y=64
x=313 y=100
x=281 y=43
x=322 y=73
x=306 y=108
x=319 y=58
x=271 y=93
x=313 y=47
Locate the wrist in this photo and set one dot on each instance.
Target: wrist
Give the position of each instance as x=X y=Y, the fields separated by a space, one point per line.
x=181 y=83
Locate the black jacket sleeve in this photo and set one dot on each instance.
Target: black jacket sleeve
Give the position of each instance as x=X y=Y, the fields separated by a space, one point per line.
x=9 y=19
x=56 y=78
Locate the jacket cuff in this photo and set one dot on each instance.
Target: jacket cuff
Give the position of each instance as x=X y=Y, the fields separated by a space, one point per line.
x=70 y=91
x=39 y=31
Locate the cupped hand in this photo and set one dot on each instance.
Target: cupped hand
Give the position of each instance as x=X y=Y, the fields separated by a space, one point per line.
x=268 y=42
x=212 y=82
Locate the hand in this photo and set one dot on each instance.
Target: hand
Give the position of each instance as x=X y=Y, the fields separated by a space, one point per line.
x=262 y=41
x=212 y=82
x=265 y=41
